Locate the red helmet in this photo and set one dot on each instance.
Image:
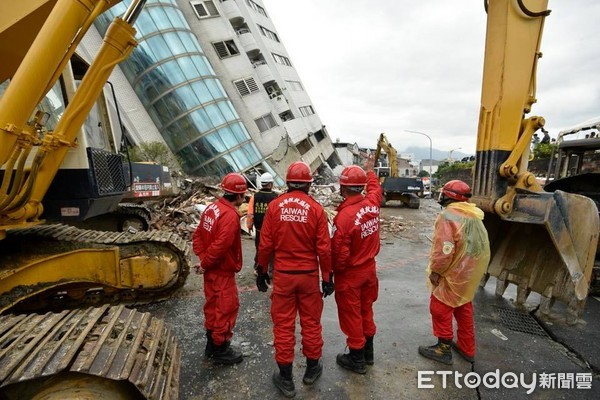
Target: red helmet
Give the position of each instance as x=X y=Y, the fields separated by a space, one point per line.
x=298 y=171
x=456 y=190
x=234 y=183
x=353 y=176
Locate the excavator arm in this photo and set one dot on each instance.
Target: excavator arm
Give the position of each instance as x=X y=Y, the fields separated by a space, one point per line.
x=392 y=154
x=541 y=242
x=23 y=189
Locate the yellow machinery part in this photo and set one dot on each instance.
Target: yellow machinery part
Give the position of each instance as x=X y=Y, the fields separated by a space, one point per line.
x=84 y=387
x=541 y=242
x=106 y=350
x=60 y=265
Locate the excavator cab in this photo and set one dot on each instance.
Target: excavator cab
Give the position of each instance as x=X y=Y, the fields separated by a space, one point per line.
x=89 y=187
x=541 y=242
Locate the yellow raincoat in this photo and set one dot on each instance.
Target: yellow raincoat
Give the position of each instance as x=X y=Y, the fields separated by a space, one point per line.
x=460 y=253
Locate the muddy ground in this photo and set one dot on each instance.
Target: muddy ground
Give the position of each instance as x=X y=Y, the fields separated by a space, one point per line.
x=403 y=320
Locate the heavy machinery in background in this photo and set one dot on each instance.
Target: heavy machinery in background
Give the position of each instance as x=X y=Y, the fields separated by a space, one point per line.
x=57 y=166
x=576 y=169
x=405 y=189
x=541 y=242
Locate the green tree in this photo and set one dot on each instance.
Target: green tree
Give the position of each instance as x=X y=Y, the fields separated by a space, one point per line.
x=156 y=152
x=423 y=173
x=544 y=150
x=447 y=167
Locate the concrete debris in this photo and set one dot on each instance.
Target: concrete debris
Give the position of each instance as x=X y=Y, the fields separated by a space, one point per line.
x=181 y=214
x=326 y=195
x=394 y=224
x=499 y=334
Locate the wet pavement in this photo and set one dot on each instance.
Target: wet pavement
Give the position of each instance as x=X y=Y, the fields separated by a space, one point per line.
x=508 y=341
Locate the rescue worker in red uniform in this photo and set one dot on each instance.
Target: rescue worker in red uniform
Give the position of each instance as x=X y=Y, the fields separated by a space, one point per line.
x=295 y=230
x=257 y=208
x=217 y=243
x=354 y=246
x=460 y=253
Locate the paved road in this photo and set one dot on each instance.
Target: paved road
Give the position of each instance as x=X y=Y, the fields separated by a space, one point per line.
x=404 y=323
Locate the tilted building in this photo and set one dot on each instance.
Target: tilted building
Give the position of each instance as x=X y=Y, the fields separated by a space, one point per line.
x=216 y=84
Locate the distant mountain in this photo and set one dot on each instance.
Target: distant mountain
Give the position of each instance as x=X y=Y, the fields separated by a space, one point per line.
x=423 y=153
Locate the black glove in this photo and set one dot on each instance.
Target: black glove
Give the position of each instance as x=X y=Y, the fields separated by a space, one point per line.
x=262 y=280
x=328 y=287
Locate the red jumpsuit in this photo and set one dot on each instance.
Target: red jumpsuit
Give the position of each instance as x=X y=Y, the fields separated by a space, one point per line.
x=460 y=253
x=217 y=242
x=354 y=246
x=296 y=231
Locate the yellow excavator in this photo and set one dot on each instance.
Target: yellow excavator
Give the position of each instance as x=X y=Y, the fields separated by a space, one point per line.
x=64 y=332
x=541 y=242
x=406 y=190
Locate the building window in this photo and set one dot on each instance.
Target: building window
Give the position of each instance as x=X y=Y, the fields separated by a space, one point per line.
x=226 y=49
x=205 y=8
x=286 y=116
x=304 y=146
x=265 y=122
x=294 y=85
x=246 y=86
x=282 y=60
x=306 y=111
x=267 y=33
x=257 y=8
x=319 y=135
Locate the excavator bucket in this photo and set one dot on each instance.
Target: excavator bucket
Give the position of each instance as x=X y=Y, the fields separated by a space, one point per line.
x=546 y=245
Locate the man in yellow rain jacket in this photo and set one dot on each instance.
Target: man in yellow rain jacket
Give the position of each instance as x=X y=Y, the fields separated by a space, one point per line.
x=459 y=257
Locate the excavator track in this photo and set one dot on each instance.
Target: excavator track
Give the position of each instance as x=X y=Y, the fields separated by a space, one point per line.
x=131 y=214
x=19 y=245
x=127 y=352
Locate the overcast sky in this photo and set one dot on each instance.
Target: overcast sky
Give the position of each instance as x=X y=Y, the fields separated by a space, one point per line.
x=399 y=65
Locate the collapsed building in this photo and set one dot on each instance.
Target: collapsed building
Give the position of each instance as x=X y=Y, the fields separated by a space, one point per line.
x=213 y=81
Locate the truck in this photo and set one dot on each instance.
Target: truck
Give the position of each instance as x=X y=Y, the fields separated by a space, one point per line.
x=575 y=168
x=405 y=189
x=64 y=327
x=542 y=242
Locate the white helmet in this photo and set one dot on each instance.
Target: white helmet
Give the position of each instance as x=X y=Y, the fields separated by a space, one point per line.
x=266 y=178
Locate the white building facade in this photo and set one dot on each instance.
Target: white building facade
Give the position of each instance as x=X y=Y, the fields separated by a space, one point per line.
x=216 y=82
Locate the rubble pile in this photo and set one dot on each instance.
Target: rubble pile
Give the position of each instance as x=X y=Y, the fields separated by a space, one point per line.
x=326 y=195
x=393 y=224
x=181 y=214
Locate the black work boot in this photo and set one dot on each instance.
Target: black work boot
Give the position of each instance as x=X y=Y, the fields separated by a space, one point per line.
x=354 y=361
x=314 y=369
x=462 y=353
x=225 y=354
x=369 y=360
x=439 y=352
x=284 y=381
x=209 y=350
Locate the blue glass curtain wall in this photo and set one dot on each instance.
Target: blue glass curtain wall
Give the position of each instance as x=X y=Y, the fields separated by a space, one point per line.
x=181 y=92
